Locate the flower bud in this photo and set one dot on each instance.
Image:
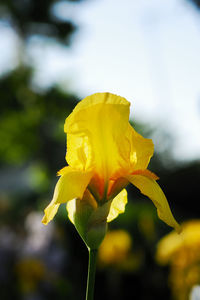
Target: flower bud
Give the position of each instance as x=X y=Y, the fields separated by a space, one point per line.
x=89 y=218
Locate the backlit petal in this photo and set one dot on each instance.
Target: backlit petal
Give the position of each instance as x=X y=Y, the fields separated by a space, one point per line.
x=151 y=189
x=141 y=149
x=146 y=173
x=95 y=133
x=71 y=184
x=118 y=205
x=100 y=136
x=79 y=151
x=49 y=212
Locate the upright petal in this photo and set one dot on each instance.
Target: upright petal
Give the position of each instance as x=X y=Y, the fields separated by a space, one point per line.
x=71 y=184
x=96 y=132
x=79 y=151
x=149 y=187
x=141 y=149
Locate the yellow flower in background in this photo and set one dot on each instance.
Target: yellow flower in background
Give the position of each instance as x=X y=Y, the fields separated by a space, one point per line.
x=169 y=247
x=182 y=253
x=30 y=272
x=104 y=154
x=116 y=252
x=115 y=248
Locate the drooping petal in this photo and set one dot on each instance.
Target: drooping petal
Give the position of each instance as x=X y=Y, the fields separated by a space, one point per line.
x=146 y=173
x=95 y=134
x=71 y=184
x=49 y=212
x=118 y=205
x=149 y=187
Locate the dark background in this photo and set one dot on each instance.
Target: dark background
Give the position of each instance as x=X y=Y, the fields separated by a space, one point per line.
x=38 y=262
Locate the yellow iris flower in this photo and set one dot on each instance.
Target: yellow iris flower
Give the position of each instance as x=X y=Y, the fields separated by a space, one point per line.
x=104 y=154
x=181 y=253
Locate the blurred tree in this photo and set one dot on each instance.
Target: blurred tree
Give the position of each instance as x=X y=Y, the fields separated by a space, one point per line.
x=196 y=2
x=31 y=151
x=31 y=120
x=36 y=17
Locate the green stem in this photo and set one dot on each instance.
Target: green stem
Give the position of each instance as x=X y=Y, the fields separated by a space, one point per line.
x=91 y=273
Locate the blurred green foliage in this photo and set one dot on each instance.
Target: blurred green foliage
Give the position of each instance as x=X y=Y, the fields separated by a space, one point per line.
x=31 y=122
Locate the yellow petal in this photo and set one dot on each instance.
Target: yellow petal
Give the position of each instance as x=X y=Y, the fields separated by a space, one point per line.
x=71 y=209
x=95 y=134
x=49 y=212
x=99 y=98
x=146 y=173
x=71 y=184
x=79 y=151
x=149 y=187
x=118 y=205
x=99 y=136
x=141 y=149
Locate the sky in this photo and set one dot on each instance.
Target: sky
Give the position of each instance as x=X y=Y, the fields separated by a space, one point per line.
x=146 y=51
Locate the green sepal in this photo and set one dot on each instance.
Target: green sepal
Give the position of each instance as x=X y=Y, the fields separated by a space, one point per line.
x=89 y=219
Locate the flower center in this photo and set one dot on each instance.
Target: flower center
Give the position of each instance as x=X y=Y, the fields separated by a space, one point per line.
x=105 y=190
